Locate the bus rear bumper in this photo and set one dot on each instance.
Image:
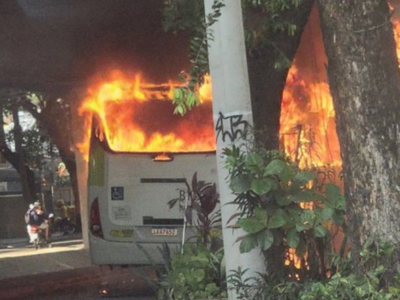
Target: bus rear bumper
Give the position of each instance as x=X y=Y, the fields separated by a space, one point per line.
x=105 y=252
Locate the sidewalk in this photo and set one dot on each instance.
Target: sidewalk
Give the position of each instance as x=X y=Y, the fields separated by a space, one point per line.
x=58 y=269
x=19 y=242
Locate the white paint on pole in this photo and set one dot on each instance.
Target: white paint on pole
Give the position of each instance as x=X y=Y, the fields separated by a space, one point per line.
x=232 y=114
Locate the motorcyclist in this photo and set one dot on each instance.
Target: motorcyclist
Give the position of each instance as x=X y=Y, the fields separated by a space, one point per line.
x=39 y=218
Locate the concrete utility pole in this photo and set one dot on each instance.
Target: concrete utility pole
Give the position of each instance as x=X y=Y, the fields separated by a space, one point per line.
x=77 y=125
x=232 y=116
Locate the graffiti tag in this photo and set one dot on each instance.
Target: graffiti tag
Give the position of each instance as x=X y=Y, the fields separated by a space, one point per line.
x=231 y=127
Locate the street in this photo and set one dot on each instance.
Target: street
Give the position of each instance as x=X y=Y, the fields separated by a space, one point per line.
x=90 y=296
x=92 y=293
x=64 y=271
x=19 y=250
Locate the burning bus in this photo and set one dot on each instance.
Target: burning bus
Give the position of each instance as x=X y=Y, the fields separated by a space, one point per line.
x=141 y=155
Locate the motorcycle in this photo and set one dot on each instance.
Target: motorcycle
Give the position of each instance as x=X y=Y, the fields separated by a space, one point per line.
x=55 y=226
x=39 y=237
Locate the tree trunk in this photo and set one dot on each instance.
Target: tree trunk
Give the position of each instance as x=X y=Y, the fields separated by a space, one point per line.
x=61 y=135
x=364 y=83
x=21 y=161
x=266 y=81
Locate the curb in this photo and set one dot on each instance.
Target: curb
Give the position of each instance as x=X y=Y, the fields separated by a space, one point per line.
x=78 y=279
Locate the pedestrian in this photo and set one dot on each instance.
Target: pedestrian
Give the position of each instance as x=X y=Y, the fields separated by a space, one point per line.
x=62 y=211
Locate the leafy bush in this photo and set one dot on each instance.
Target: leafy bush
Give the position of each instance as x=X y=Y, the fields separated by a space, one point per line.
x=281 y=211
x=345 y=284
x=203 y=199
x=197 y=273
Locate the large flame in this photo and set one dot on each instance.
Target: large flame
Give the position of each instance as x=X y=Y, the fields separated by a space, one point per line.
x=308 y=132
x=307 y=122
x=138 y=117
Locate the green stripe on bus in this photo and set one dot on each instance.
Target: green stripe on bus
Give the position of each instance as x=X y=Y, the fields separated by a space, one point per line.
x=96 y=165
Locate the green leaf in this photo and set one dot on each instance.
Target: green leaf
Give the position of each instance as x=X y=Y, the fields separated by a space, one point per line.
x=274 y=182
x=320 y=231
x=198 y=274
x=178 y=94
x=240 y=184
x=293 y=238
x=306 y=196
x=303 y=178
x=251 y=225
x=254 y=161
x=275 y=167
x=300 y=227
x=261 y=186
x=287 y=174
x=282 y=200
x=191 y=99
x=248 y=243
x=261 y=215
x=278 y=219
x=332 y=191
x=307 y=218
x=326 y=213
x=265 y=239
x=335 y=197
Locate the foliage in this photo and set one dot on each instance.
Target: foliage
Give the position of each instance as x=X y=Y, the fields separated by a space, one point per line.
x=189 y=15
x=272 y=22
x=197 y=273
x=202 y=198
x=180 y=15
x=261 y=287
x=36 y=143
x=345 y=284
x=280 y=210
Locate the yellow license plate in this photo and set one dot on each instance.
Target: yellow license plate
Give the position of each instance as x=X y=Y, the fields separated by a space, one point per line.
x=164 y=231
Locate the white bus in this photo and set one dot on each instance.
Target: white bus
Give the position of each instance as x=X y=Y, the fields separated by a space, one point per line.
x=128 y=196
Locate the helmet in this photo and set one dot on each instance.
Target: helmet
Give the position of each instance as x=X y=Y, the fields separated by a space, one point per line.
x=60 y=202
x=36 y=204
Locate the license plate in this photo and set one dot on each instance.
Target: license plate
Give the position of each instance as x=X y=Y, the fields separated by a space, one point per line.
x=164 y=231
x=121 y=233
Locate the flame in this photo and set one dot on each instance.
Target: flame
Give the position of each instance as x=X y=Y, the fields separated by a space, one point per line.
x=307 y=125
x=162 y=157
x=307 y=129
x=396 y=29
x=396 y=26
x=138 y=117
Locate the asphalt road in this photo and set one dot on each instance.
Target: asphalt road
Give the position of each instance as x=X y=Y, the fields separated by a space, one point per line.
x=64 y=271
x=19 y=250
x=22 y=259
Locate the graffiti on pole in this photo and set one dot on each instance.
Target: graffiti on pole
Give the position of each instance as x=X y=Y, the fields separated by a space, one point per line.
x=231 y=127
